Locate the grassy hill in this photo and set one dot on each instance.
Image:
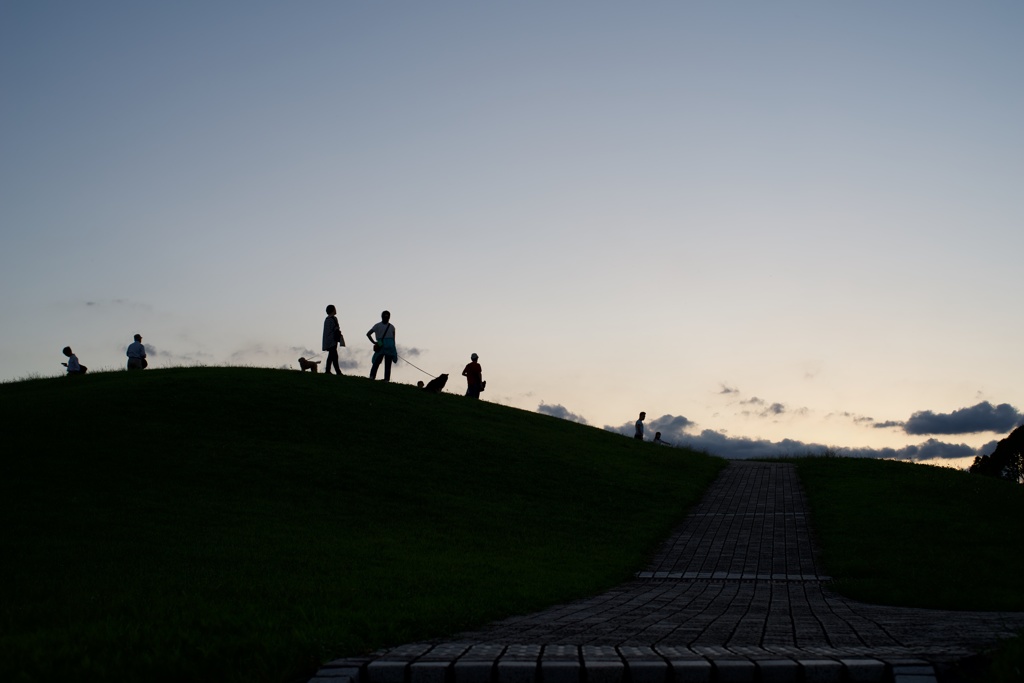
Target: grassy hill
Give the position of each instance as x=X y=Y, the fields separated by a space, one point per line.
x=242 y=524
x=238 y=524
x=913 y=535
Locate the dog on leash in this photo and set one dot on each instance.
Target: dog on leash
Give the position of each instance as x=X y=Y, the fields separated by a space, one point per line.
x=437 y=384
x=308 y=365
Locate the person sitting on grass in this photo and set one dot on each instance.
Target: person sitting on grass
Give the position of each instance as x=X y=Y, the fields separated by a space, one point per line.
x=73 y=366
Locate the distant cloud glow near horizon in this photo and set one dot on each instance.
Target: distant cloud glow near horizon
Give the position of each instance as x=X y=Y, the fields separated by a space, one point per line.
x=775 y=226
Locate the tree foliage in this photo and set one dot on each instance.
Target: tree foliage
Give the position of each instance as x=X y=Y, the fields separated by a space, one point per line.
x=1006 y=461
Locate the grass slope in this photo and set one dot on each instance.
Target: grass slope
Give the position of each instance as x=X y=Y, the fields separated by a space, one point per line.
x=917 y=536
x=242 y=524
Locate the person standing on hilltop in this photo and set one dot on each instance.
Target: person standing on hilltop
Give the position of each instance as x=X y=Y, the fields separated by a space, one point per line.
x=474 y=375
x=383 y=346
x=137 y=354
x=639 y=434
x=332 y=339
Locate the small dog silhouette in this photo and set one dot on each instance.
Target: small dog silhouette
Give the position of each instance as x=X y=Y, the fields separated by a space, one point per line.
x=437 y=384
x=308 y=365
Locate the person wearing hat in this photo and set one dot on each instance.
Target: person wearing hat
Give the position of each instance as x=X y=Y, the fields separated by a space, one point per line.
x=474 y=377
x=137 y=354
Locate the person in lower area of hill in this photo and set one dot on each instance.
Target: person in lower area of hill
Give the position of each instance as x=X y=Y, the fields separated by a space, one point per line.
x=382 y=336
x=474 y=375
x=639 y=433
x=333 y=338
x=658 y=440
x=74 y=367
x=137 y=354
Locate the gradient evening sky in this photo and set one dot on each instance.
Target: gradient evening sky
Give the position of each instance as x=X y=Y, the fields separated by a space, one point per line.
x=771 y=226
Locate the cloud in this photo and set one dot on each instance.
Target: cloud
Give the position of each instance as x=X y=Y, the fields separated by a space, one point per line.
x=112 y=303
x=560 y=412
x=672 y=427
x=764 y=409
x=740 y=448
x=669 y=423
x=166 y=359
x=929 y=450
x=983 y=417
x=674 y=430
x=726 y=389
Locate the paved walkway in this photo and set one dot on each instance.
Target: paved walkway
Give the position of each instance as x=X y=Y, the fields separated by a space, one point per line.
x=736 y=595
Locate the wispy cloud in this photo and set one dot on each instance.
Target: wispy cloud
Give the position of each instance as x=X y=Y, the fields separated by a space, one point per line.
x=758 y=407
x=124 y=304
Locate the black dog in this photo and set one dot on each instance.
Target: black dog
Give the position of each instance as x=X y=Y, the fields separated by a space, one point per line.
x=437 y=384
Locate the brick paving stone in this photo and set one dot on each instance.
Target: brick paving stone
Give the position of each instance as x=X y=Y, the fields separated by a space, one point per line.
x=777 y=670
x=728 y=670
x=477 y=664
x=603 y=664
x=821 y=671
x=644 y=665
x=864 y=670
x=386 y=670
x=519 y=664
x=735 y=594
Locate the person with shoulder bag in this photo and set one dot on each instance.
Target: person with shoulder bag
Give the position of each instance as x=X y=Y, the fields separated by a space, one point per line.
x=332 y=339
x=383 y=346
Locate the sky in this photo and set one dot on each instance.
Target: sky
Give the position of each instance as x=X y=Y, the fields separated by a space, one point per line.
x=776 y=228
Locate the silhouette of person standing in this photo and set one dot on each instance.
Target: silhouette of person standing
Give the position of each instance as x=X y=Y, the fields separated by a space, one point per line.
x=383 y=346
x=639 y=435
x=474 y=375
x=137 y=354
x=332 y=337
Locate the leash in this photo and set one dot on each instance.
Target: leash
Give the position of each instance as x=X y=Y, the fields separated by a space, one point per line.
x=417 y=367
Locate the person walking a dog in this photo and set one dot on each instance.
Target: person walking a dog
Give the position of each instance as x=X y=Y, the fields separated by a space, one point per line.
x=137 y=354
x=383 y=346
x=639 y=434
x=332 y=339
x=474 y=375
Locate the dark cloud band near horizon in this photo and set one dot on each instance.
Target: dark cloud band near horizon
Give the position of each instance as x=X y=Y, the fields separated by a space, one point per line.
x=983 y=417
x=675 y=430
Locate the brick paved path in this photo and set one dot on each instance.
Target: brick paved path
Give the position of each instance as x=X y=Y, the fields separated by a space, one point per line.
x=734 y=596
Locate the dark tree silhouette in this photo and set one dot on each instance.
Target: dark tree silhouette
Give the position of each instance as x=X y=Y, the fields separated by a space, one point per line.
x=1006 y=461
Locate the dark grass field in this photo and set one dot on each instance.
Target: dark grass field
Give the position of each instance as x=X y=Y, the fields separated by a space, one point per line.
x=230 y=524
x=898 y=533
x=911 y=535
x=233 y=524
